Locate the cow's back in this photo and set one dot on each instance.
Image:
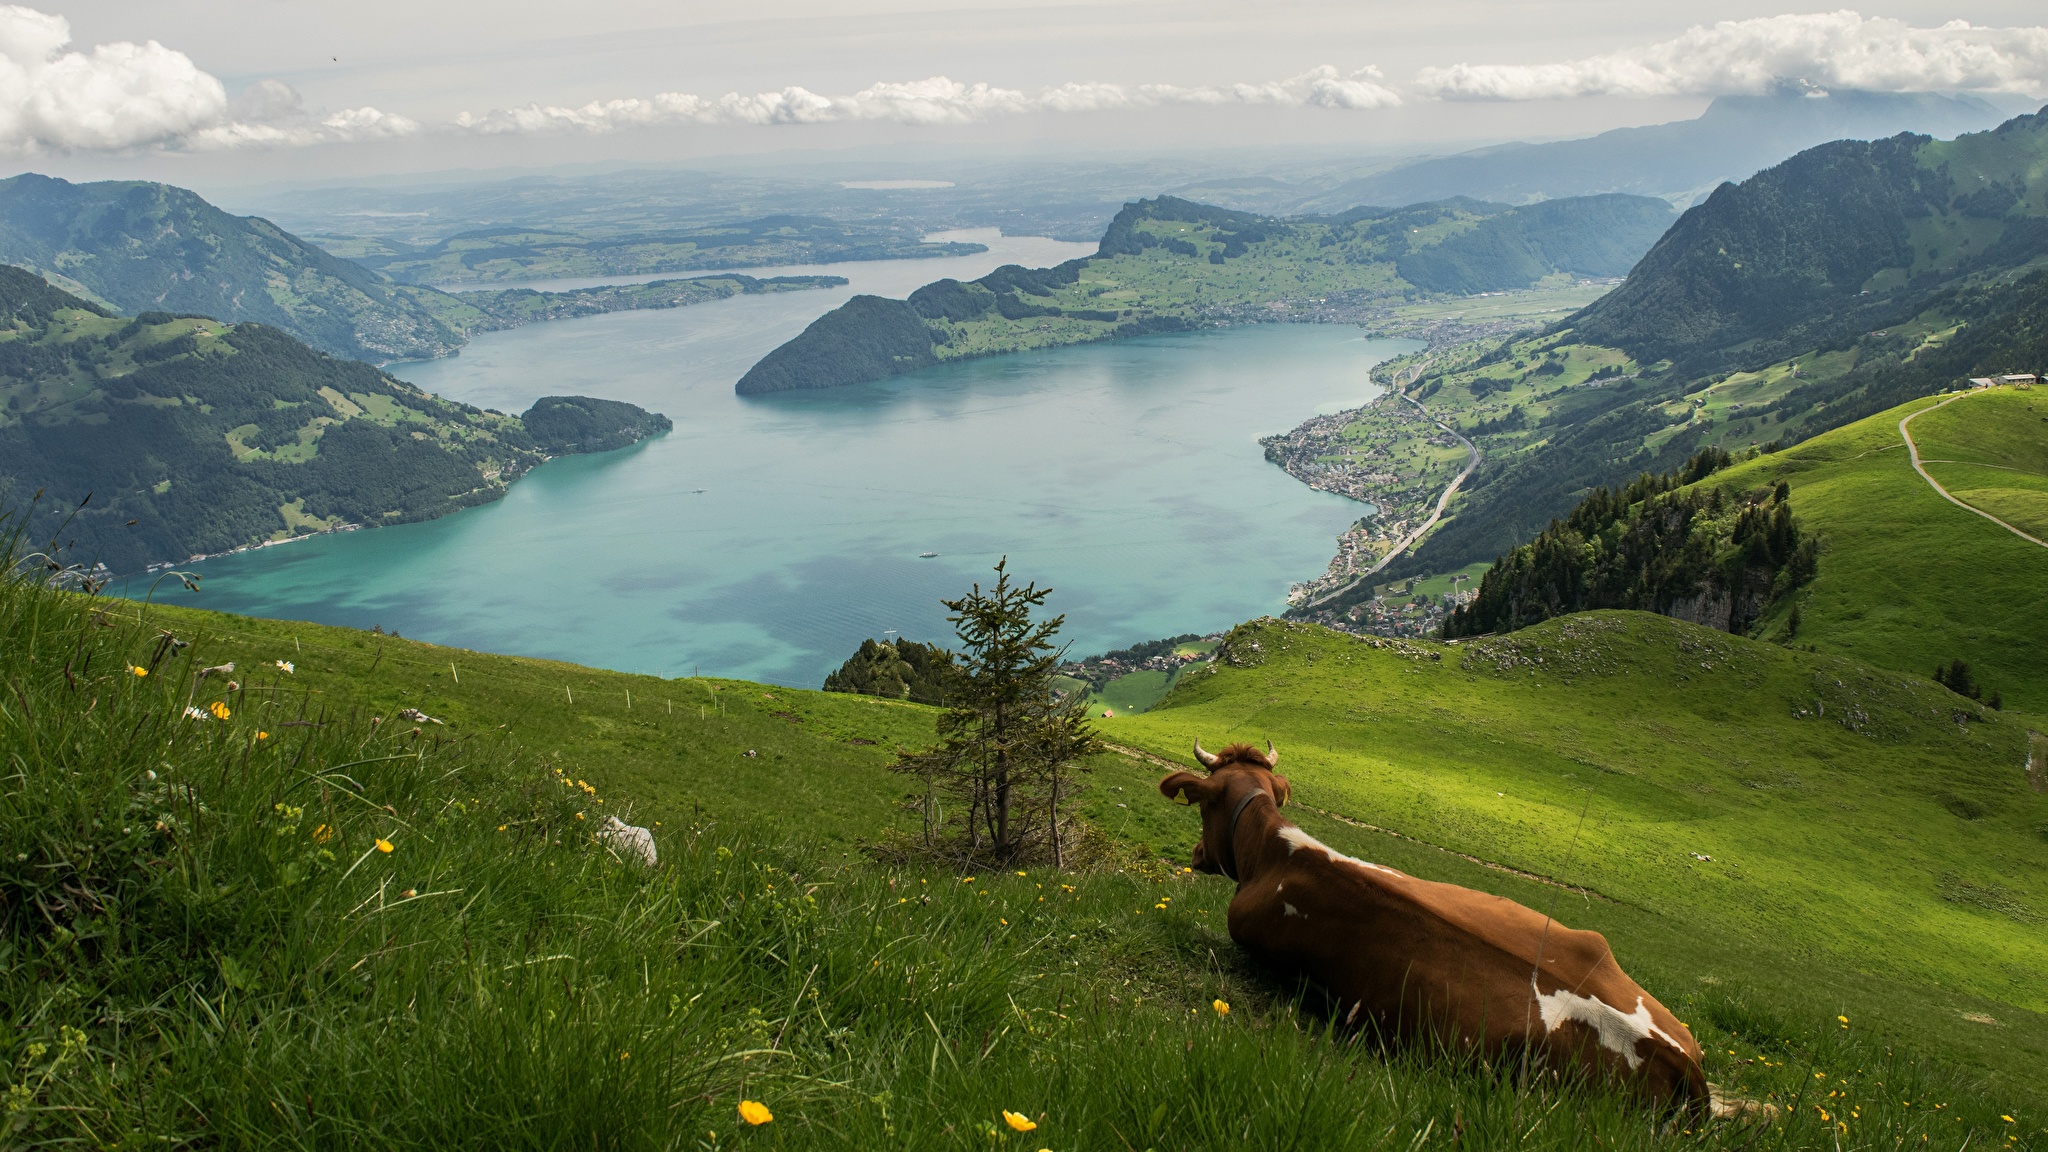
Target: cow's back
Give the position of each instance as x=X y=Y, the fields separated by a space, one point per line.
x=1419 y=955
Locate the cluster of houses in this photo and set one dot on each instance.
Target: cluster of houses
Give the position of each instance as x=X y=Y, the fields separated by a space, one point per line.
x=2017 y=379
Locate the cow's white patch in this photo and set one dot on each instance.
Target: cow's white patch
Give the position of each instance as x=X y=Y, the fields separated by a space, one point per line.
x=1618 y=1031
x=1291 y=910
x=1297 y=840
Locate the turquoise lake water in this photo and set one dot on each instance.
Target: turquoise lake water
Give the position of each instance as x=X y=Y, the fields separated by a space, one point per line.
x=1126 y=476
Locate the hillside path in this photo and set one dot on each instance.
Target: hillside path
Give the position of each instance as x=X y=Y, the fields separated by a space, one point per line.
x=1913 y=450
x=1409 y=540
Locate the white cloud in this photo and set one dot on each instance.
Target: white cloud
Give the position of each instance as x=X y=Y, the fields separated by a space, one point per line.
x=122 y=96
x=112 y=97
x=1822 y=50
x=270 y=113
x=938 y=100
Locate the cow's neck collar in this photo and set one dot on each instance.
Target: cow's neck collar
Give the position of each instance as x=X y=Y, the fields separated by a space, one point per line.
x=1230 y=839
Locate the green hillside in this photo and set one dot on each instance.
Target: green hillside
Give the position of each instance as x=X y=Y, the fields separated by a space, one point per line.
x=1830 y=243
x=1845 y=281
x=1800 y=824
x=497 y=978
x=1908 y=579
x=1168 y=264
x=153 y=439
x=143 y=247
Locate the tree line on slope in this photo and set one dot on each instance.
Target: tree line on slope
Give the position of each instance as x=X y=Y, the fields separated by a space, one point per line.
x=1655 y=545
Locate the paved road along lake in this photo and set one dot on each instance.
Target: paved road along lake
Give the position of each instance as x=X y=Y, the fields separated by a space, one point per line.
x=766 y=536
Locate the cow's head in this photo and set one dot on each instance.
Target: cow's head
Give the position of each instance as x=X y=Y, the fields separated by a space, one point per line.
x=1233 y=773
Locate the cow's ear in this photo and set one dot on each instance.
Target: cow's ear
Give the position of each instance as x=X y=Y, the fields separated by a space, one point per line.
x=1184 y=788
x=1281 y=792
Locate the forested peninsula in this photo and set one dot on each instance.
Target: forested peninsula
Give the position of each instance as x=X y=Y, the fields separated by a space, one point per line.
x=1169 y=264
x=134 y=441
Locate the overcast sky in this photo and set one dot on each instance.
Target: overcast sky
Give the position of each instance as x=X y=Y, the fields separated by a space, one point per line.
x=214 y=92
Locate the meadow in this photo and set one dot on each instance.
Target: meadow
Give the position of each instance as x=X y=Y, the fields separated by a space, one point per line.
x=1908 y=580
x=309 y=919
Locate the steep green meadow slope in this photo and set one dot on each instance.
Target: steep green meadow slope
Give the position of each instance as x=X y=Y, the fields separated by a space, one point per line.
x=1801 y=819
x=1908 y=579
x=1602 y=751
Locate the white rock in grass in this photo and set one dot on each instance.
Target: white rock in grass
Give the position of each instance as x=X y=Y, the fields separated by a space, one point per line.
x=628 y=840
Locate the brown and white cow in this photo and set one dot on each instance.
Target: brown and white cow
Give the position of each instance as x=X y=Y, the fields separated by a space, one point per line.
x=1422 y=959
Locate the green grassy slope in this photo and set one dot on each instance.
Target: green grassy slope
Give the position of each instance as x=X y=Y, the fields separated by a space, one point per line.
x=676 y=747
x=910 y=1007
x=222 y=952
x=1618 y=751
x=1841 y=880
x=1907 y=578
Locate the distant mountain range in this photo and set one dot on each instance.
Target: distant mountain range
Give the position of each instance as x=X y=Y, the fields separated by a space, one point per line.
x=1166 y=264
x=1073 y=197
x=134 y=246
x=1680 y=161
x=497 y=255
x=129 y=441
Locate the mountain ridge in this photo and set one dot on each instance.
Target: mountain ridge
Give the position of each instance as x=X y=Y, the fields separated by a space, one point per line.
x=1844 y=281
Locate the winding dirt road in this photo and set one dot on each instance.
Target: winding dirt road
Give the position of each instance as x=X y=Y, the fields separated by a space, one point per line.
x=1913 y=450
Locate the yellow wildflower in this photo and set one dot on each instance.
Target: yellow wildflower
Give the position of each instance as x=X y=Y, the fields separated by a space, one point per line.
x=219 y=710
x=322 y=834
x=1016 y=1122
x=262 y=735
x=756 y=1113
x=138 y=670
x=1222 y=1007
x=383 y=845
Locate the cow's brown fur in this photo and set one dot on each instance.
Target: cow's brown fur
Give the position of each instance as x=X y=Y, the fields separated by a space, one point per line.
x=1417 y=958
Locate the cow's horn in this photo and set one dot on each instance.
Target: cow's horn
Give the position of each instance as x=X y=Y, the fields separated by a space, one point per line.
x=1205 y=759
x=1272 y=755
